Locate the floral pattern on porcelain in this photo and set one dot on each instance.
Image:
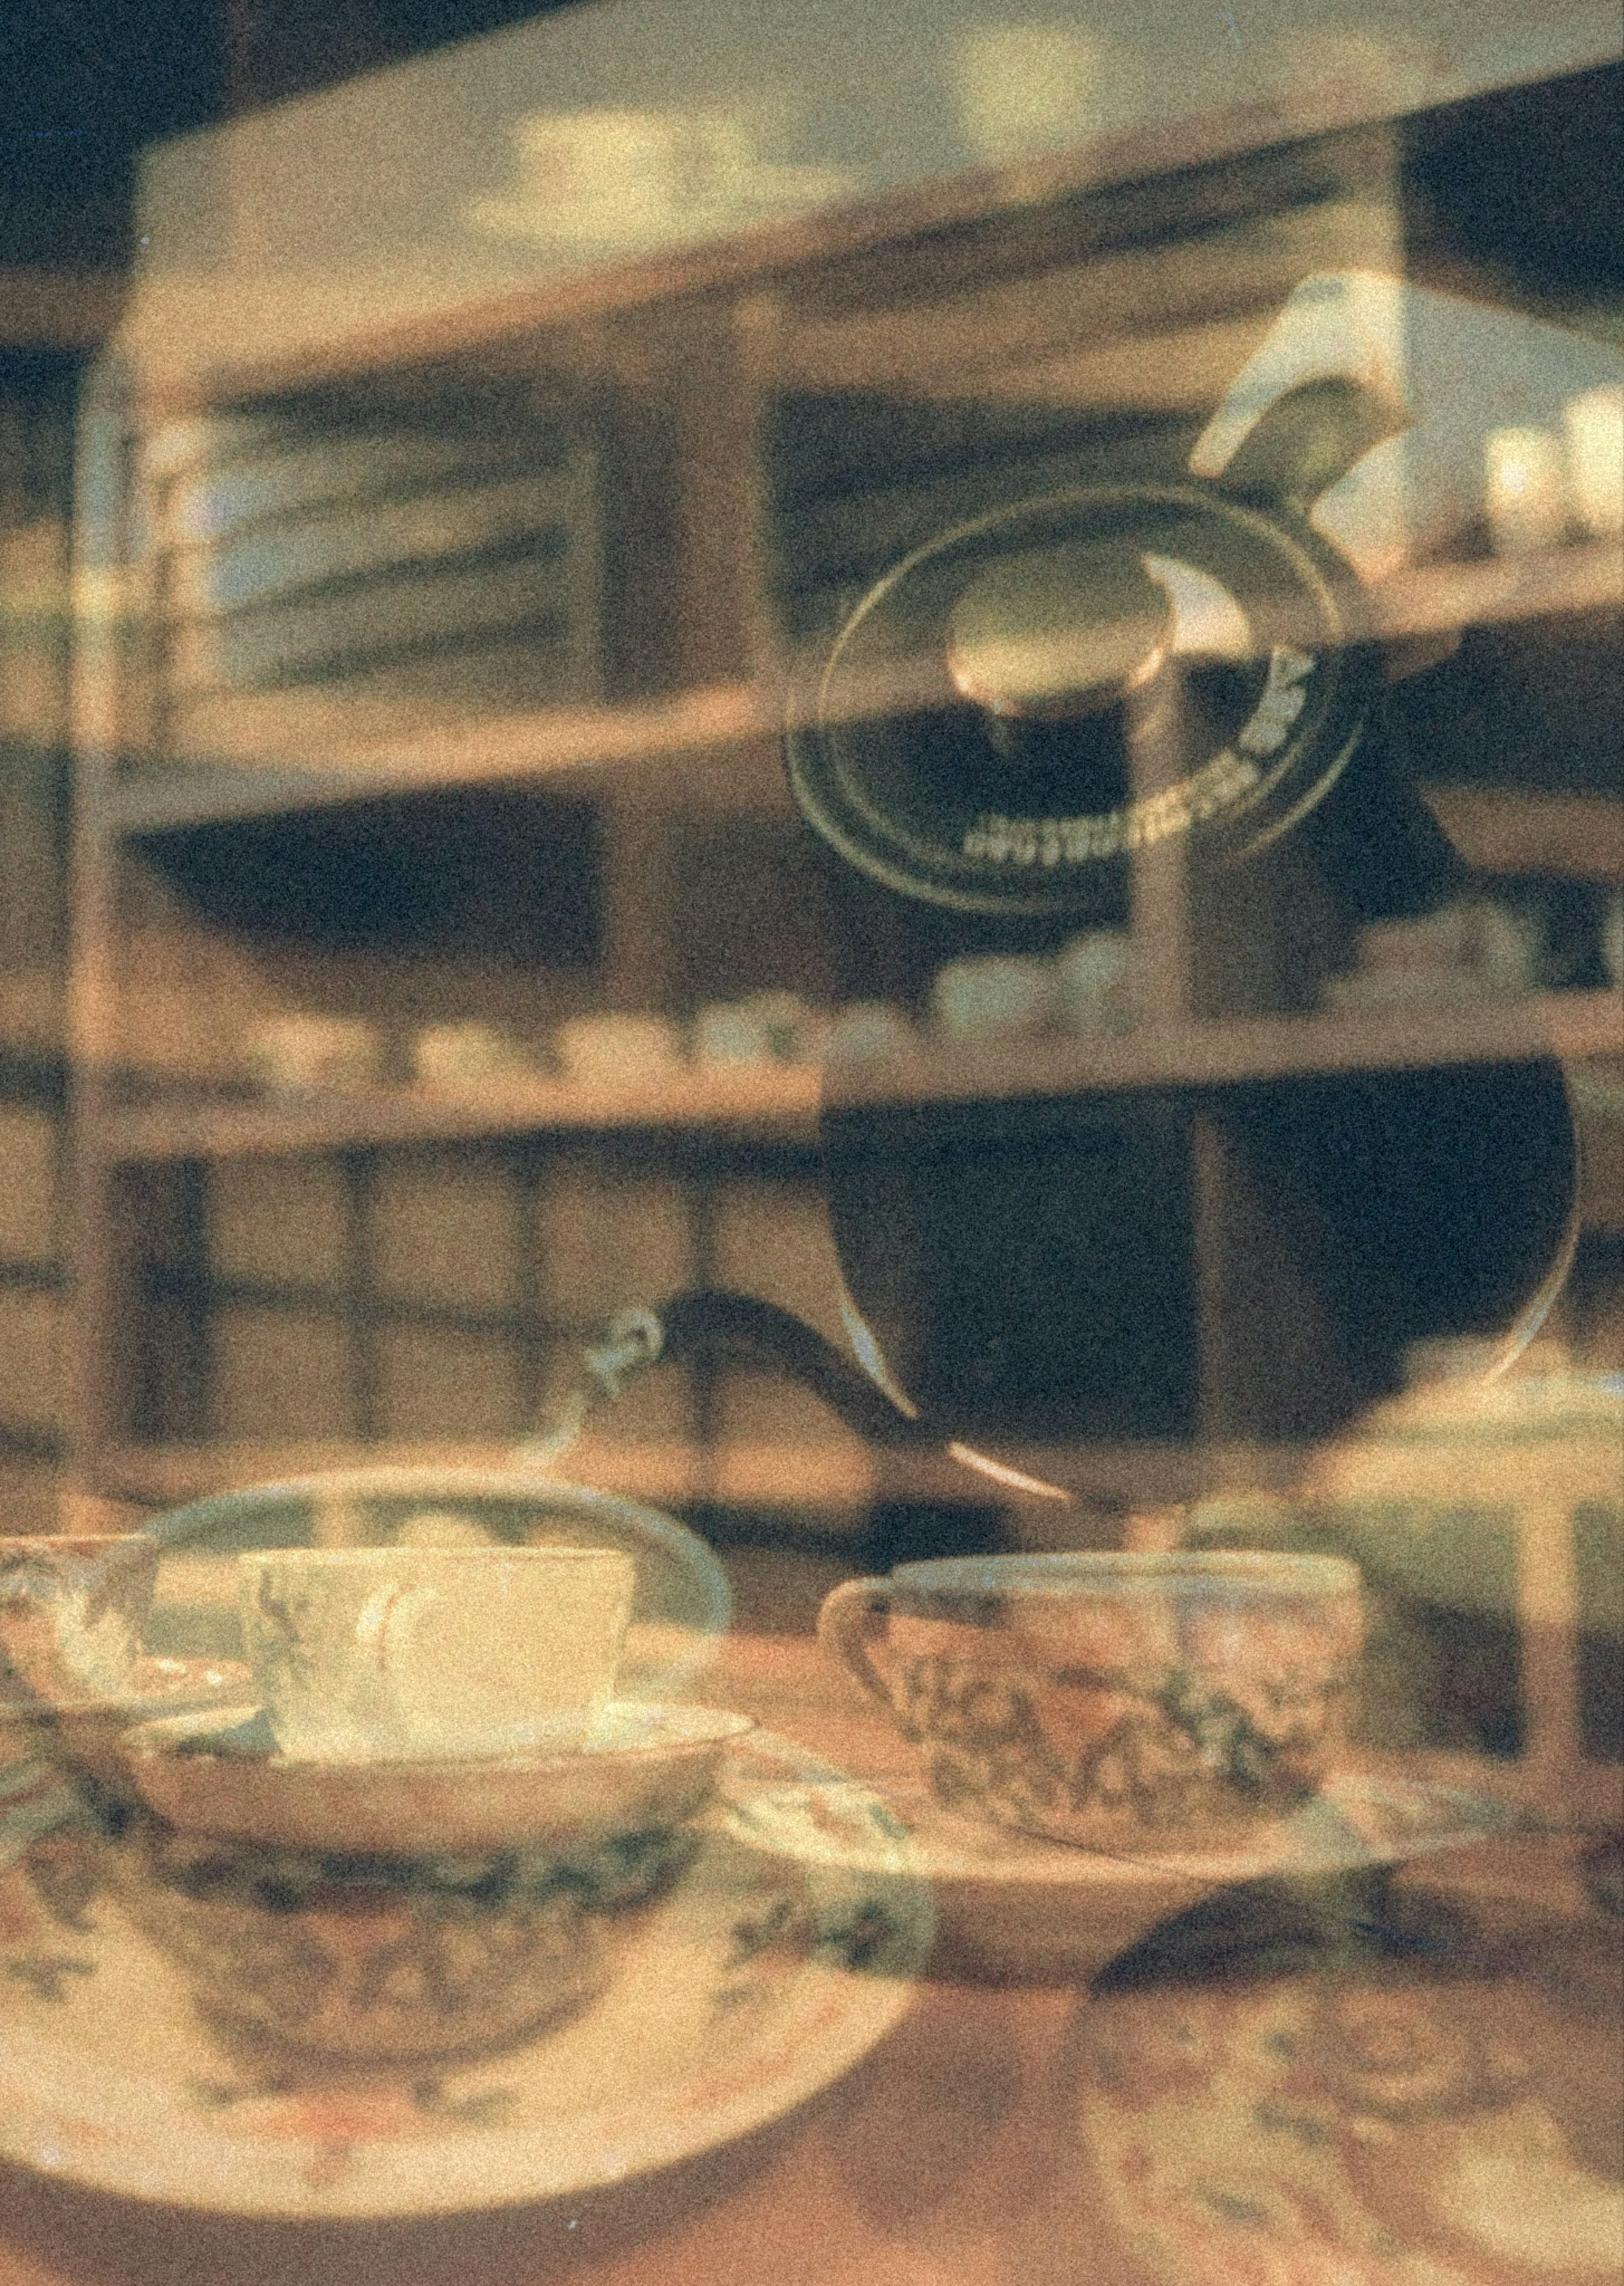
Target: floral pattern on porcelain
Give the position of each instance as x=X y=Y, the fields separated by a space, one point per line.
x=1123 y=1732
x=379 y=1961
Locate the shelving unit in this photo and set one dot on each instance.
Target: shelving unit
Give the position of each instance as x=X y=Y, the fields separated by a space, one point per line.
x=784 y=1099
x=784 y=413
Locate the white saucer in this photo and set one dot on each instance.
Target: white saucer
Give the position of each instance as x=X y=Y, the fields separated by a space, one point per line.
x=750 y=1985
x=1016 y=1904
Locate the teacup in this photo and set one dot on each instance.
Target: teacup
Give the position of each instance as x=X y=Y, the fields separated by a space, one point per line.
x=363 y=1962
x=73 y=1610
x=404 y=1653
x=1116 y=1701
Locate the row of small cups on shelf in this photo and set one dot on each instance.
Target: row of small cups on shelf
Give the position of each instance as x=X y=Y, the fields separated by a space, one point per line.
x=1542 y=489
x=1087 y=985
x=1475 y=950
x=303 y=1053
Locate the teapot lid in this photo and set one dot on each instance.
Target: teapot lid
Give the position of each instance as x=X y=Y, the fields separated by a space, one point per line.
x=1026 y=699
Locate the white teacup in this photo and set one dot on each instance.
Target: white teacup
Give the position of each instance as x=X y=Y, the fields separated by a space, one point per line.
x=384 y=1654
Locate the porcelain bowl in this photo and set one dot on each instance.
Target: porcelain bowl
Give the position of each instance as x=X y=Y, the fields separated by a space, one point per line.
x=394 y=1912
x=362 y=1961
x=646 y=1770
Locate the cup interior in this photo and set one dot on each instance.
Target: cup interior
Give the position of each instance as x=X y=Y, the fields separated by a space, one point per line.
x=1180 y=1575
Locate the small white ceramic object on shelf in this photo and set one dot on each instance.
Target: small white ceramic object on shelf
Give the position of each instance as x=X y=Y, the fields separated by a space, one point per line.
x=999 y=994
x=299 y=1055
x=1472 y=952
x=1593 y=421
x=615 y=1049
x=742 y=1989
x=1094 y=981
x=1524 y=490
x=766 y=1027
x=468 y=1058
x=869 y=1031
x=619 y=180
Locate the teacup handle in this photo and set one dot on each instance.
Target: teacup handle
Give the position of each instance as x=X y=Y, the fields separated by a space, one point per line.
x=850 y=1618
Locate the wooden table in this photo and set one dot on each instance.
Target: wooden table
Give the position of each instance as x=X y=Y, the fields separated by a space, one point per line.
x=949 y=2157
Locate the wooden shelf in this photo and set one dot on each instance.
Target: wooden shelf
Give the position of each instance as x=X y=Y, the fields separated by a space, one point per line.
x=1227 y=1053
x=288 y=753
x=835 y=1474
x=278 y=751
x=783 y=1099
x=775 y=1100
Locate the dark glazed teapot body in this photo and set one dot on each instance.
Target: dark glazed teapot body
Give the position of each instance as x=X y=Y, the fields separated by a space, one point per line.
x=1161 y=703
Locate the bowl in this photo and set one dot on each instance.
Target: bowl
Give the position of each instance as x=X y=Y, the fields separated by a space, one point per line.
x=647 y=1769
x=361 y=1962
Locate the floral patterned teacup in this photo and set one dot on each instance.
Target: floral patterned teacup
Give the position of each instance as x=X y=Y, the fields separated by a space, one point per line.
x=1116 y=1701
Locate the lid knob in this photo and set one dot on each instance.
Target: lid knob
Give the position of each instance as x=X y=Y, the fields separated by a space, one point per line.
x=1056 y=632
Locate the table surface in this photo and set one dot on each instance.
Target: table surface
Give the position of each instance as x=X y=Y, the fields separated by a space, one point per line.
x=949 y=2157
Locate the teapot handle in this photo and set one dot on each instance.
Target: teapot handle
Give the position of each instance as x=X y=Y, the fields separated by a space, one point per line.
x=850 y=1619
x=1309 y=438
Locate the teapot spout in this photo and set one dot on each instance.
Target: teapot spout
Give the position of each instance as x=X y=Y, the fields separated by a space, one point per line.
x=713 y=1326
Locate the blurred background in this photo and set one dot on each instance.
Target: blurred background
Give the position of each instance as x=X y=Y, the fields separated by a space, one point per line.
x=451 y=965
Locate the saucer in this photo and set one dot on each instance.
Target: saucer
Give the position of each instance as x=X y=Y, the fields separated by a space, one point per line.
x=741 y=1992
x=85 y=1731
x=156 y=1687
x=46 y=1751
x=1015 y=1904
x=643 y=1770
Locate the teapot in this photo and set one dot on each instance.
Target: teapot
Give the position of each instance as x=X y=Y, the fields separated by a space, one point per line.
x=1166 y=700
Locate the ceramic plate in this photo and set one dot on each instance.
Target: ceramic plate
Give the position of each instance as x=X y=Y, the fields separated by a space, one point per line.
x=1356 y=1821
x=752 y=1984
x=1010 y=1907
x=642 y=1769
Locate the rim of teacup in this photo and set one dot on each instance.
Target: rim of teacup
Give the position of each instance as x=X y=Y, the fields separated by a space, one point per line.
x=393 y=1553
x=1129 y=1572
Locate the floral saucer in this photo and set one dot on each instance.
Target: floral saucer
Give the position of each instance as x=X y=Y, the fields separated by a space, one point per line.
x=1009 y=1903
x=727 y=1998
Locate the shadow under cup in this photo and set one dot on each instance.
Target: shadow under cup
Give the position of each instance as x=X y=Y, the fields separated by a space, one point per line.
x=1116 y=1701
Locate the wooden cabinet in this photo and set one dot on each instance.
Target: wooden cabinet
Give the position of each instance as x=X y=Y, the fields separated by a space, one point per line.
x=431 y=669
